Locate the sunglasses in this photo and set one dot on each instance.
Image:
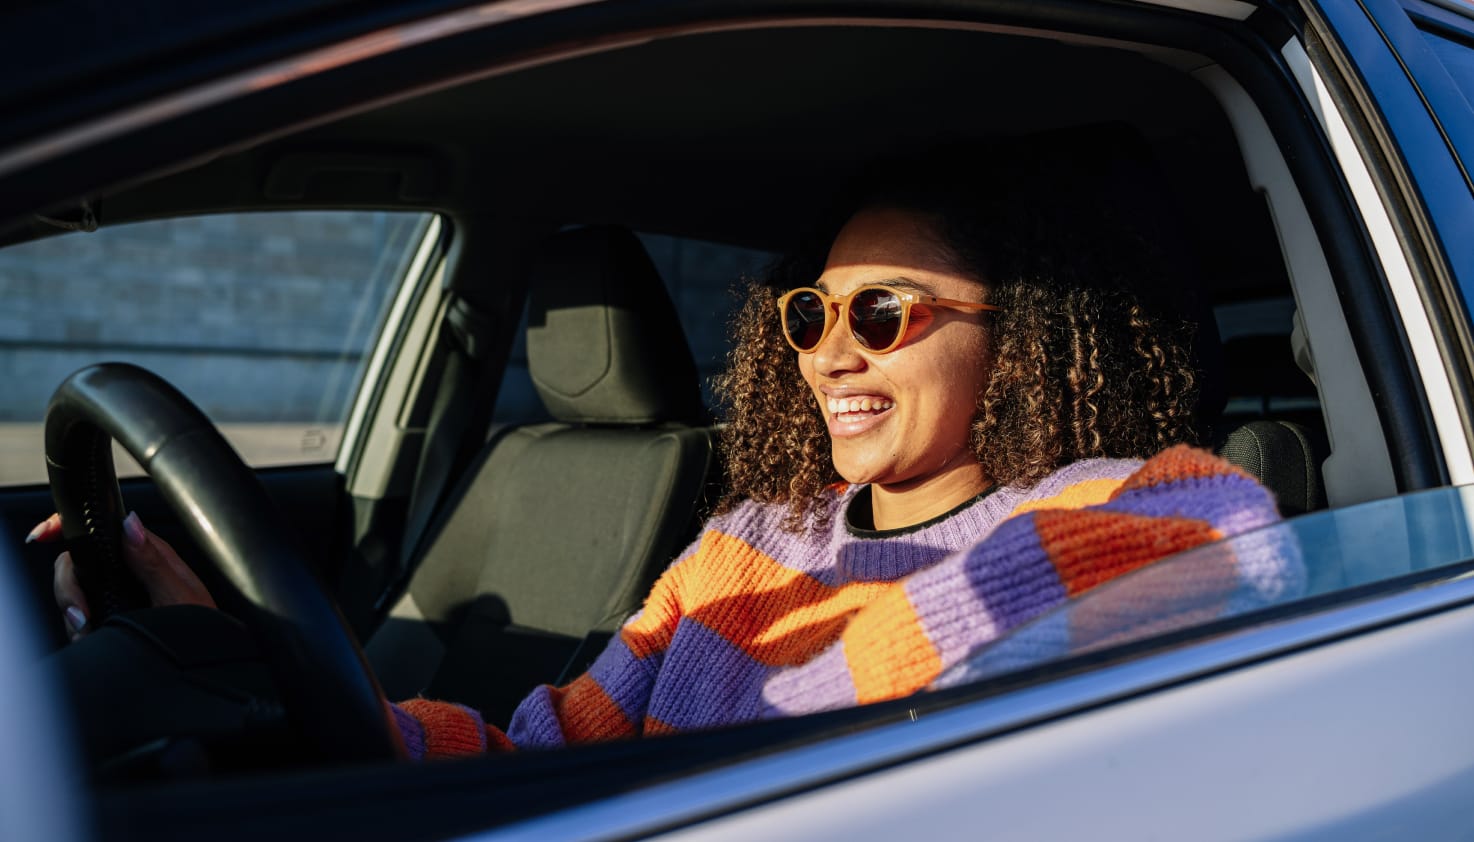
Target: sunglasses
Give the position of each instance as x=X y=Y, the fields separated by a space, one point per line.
x=877 y=315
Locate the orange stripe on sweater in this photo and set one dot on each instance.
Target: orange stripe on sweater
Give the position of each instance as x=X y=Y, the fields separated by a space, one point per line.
x=498 y=741
x=1088 y=548
x=778 y=616
x=587 y=713
x=1090 y=492
x=888 y=653
x=1180 y=462
x=449 y=730
x=650 y=633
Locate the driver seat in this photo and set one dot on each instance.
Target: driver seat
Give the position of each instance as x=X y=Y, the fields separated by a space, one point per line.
x=557 y=530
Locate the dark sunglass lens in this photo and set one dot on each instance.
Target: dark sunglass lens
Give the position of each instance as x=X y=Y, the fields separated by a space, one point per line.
x=875 y=318
x=803 y=318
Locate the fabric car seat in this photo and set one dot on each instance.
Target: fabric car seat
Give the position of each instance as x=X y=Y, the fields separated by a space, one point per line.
x=558 y=529
x=1274 y=429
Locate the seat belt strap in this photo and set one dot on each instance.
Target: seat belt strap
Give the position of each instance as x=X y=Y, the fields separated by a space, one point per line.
x=462 y=402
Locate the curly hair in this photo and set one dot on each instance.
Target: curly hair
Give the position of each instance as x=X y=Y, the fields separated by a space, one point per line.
x=1092 y=351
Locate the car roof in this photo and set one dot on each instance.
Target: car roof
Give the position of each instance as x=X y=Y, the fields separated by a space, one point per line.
x=736 y=135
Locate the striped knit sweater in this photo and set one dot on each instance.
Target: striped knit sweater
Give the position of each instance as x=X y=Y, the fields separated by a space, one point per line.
x=752 y=621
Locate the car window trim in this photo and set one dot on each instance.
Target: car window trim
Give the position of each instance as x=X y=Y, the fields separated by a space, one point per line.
x=371 y=388
x=1447 y=411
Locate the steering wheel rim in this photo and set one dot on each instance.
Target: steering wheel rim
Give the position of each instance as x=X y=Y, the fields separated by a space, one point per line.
x=328 y=689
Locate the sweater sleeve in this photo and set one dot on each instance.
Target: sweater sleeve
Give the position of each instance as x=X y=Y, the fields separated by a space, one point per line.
x=607 y=702
x=1032 y=562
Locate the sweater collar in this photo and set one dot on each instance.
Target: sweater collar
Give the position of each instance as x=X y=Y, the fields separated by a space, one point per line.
x=859 y=516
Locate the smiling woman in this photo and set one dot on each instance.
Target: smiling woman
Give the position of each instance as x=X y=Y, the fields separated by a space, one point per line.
x=956 y=321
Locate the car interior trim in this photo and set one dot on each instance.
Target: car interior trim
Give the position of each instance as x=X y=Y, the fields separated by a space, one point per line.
x=723 y=791
x=389 y=335
x=1359 y=467
x=1438 y=391
x=384 y=437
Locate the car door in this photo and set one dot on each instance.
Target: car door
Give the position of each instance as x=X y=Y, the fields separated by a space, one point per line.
x=1402 y=71
x=266 y=320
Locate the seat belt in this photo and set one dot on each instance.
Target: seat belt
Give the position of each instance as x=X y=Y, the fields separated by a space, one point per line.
x=463 y=403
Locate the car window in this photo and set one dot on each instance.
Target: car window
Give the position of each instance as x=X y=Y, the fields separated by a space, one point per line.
x=1314 y=555
x=704 y=280
x=262 y=319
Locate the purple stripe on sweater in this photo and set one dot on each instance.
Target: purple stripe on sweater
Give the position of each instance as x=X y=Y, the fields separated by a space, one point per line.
x=1229 y=503
x=951 y=613
x=1012 y=574
x=534 y=723
x=412 y=731
x=823 y=683
x=705 y=681
x=626 y=678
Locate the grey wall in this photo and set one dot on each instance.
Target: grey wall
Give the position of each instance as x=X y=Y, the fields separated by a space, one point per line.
x=256 y=317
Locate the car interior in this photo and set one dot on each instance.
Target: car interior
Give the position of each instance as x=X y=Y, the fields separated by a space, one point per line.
x=476 y=559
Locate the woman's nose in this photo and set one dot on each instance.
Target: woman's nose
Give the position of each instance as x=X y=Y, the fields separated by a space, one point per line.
x=839 y=353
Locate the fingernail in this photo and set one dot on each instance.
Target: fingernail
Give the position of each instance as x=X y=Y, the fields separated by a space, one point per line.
x=37 y=530
x=133 y=530
x=76 y=620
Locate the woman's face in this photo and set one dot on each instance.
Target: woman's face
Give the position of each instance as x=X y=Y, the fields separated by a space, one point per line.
x=922 y=396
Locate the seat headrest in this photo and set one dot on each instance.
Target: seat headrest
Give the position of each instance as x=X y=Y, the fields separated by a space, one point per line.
x=604 y=342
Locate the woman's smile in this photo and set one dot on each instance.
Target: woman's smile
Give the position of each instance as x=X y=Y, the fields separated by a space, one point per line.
x=858 y=413
x=902 y=421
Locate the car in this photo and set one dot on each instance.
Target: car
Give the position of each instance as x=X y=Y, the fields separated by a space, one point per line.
x=446 y=274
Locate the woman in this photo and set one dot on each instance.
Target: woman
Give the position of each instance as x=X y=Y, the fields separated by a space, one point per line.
x=941 y=365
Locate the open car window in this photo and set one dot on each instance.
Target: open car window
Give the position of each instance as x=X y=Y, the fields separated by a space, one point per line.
x=263 y=319
x=1339 y=554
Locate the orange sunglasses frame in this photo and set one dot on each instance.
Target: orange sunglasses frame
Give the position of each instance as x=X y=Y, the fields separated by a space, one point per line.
x=832 y=312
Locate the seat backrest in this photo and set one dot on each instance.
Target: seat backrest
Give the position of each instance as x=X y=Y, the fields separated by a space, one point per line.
x=558 y=529
x=1273 y=427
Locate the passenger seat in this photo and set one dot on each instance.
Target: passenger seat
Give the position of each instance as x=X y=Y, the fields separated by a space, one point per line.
x=559 y=529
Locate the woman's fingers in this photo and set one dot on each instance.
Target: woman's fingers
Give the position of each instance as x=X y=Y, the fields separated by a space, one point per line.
x=45 y=531
x=69 y=596
x=166 y=578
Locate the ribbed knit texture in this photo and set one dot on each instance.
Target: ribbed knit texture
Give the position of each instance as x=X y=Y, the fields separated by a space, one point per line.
x=752 y=621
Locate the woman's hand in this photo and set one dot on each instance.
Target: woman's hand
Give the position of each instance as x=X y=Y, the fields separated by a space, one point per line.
x=166 y=578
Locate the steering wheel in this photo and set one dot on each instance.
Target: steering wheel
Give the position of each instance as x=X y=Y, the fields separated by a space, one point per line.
x=329 y=692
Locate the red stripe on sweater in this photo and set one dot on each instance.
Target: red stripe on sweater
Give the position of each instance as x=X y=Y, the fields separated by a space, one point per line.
x=1177 y=463
x=450 y=731
x=1089 y=547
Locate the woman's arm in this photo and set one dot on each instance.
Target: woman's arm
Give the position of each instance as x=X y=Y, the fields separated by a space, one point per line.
x=900 y=643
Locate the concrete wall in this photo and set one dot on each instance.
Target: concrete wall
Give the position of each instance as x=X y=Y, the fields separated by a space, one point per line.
x=256 y=317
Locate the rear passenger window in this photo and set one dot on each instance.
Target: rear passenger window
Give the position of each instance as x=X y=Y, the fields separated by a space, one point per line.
x=262 y=319
x=705 y=282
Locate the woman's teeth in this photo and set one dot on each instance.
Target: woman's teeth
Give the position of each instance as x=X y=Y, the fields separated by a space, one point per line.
x=841 y=405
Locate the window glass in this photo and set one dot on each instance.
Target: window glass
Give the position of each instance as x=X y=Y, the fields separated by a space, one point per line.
x=1310 y=556
x=704 y=280
x=264 y=320
x=1263 y=379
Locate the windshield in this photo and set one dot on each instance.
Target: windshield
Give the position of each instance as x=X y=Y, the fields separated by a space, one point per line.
x=1312 y=555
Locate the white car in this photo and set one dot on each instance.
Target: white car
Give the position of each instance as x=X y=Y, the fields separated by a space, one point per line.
x=341 y=228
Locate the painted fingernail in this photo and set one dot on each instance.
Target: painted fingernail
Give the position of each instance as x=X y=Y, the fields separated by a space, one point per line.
x=37 y=530
x=133 y=530
x=76 y=620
